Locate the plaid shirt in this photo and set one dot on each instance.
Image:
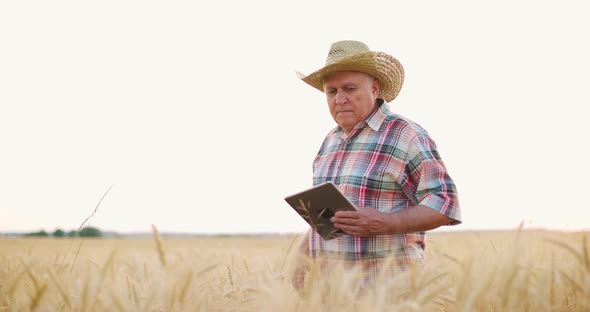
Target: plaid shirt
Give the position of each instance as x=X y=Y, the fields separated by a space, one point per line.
x=388 y=163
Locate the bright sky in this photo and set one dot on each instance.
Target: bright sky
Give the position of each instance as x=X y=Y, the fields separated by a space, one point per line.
x=193 y=112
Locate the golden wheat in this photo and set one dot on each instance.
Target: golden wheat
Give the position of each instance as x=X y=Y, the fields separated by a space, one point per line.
x=471 y=271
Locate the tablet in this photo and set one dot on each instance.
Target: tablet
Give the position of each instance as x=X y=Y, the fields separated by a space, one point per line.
x=317 y=205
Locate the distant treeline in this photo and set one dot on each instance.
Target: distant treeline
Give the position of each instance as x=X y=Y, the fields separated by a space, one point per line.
x=88 y=231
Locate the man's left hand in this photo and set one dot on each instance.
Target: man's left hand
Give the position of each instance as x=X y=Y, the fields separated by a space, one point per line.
x=363 y=222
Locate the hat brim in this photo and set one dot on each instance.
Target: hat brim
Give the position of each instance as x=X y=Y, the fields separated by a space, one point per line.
x=379 y=65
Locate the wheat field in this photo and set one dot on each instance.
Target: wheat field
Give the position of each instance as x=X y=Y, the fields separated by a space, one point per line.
x=464 y=271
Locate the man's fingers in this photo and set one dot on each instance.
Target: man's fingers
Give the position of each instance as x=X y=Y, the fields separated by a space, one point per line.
x=344 y=220
x=349 y=229
x=352 y=230
x=346 y=214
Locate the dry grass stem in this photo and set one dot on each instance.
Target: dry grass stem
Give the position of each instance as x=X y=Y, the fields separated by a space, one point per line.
x=159 y=247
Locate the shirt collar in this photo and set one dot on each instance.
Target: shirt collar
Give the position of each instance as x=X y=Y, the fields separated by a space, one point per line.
x=376 y=119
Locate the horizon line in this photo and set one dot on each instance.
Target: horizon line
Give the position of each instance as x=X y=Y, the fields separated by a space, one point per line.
x=260 y=233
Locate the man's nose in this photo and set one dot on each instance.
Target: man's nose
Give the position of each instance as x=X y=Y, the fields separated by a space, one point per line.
x=340 y=98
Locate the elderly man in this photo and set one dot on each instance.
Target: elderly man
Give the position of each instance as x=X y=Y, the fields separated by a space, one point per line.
x=385 y=164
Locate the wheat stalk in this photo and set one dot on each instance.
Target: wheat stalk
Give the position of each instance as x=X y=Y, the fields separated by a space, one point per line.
x=82 y=237
x=159 y=247
x=60 y=288
x=39 y=292
x=185 y=287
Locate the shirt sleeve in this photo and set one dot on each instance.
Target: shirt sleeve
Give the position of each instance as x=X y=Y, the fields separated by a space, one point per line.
x=433 y=186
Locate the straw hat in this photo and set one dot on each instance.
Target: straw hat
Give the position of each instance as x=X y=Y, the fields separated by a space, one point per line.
x=355 y=56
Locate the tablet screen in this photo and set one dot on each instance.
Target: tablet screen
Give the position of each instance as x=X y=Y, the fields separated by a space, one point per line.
x=317 y=205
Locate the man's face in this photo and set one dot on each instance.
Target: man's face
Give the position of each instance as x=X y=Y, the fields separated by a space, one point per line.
x=351 y=97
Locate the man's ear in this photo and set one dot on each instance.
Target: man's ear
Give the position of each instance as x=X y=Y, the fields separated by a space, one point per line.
x=376 y=87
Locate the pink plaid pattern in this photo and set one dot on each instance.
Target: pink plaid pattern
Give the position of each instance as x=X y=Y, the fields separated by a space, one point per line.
x=387 y=163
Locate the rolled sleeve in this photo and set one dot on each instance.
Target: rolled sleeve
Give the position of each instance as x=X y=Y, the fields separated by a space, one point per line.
x=434 y=187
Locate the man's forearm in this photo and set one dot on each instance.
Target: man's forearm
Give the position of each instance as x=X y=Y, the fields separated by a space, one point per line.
x=415 y=219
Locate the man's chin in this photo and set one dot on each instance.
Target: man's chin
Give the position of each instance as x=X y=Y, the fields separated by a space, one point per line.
x=346 y=125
